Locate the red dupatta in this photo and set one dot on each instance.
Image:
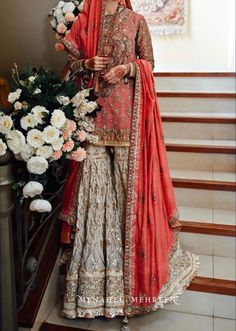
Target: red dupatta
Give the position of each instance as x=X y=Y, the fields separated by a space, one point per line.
x=151 y=211
x=151 y=220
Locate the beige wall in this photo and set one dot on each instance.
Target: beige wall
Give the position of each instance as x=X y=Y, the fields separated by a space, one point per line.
x=26 y=36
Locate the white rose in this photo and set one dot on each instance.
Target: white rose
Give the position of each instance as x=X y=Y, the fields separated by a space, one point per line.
x=35 y=138
x=78 y=99
x=31 y=79
x=68 y=7
x=3 y=147
x=88 y=107
x=53 y=23
x=51 y=134
x=27 y=152
x=87 y=125
x=57 y=145
x=37 y=165
x=61 y=19
x=28 y=121
x=18 y=105
x=63 y=100
x=45 y=151
x=58 y=118
x=85 y=92
x=39 y=113
x=15 y=141
x=81 y=6
x=37 y=91
x=41 y=206
x=13 y=96
x=5 y=124
x=32 y=189
x=61 y=4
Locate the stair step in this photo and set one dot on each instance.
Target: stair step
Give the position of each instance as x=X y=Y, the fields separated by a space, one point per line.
x=202 y=161
x=199 y=118
x=208 y=244
x=54 y=327
x=196 y=105
x=207 y=215
x=209 y=131
x=195 y=74
x=207 y=180
x=195 y=82
x=213 y=285
x=200 y=146
x=207 y=228
x=194 y=94
x=161 y=320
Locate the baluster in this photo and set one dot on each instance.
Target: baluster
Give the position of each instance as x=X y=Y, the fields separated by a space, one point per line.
x=8 y=314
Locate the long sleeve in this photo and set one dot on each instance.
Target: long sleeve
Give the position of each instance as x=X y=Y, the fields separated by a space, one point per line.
x=144 y=48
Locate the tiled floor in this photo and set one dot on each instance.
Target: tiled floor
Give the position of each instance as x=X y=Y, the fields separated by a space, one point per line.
x=162 y=320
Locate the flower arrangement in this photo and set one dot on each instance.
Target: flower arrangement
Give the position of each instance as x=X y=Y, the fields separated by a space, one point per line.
x=62 y=17
x=49 y=120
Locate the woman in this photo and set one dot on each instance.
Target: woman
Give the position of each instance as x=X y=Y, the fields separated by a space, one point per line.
x=120 y=203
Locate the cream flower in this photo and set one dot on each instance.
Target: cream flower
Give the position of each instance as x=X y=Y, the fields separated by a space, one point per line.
x=88 y=107
x=51 y=134
x=58 y=118
x=37 y=165
x=5 y=124
x=41 y=206
x=13 y=96
x=28 y=121
x=45 y=151
x=57 y=145
x=63 y=100
x=78 y=99
x=69 y=7
x=39 y=113
x=37 y=91
x=32 y=189
x=3 y=147
x=18 y=105
x=35 y=138
x=15 y=141
x=27 y=152
x=85 y=92
x=32 y=79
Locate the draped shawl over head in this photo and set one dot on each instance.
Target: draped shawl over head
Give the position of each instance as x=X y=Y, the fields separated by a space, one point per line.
x=151 y=219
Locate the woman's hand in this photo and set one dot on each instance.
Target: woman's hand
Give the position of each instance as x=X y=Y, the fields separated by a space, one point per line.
x=96 y=63
x=117 y=73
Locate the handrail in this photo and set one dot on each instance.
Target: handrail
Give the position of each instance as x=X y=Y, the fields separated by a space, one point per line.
x=7 y=276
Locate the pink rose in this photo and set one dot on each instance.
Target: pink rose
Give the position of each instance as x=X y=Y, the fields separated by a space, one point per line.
x=66 y=134
x=81 y=135
x=59 y=47
x=71 y=125
x=79 y=155
x=57 y=155
x=68 y=146
x=61 y=28
x=70 y=17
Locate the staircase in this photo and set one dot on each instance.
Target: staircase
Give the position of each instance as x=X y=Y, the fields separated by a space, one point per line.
x=198 y=112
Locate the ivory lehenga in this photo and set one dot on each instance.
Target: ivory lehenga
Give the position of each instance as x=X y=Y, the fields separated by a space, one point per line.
x=119 y=205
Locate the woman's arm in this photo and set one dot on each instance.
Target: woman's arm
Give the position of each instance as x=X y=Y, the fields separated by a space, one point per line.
x=144 y=49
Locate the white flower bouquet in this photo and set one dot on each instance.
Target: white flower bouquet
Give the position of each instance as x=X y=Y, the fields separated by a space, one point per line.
x=49 y=120
x=62 y=17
